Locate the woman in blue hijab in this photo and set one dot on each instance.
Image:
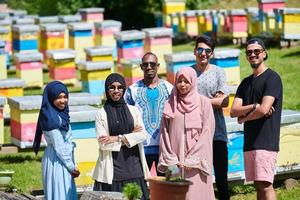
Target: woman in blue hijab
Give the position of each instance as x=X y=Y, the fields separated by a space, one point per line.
x=58 y=167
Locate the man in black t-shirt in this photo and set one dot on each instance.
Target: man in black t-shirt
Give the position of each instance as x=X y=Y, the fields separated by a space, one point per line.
x=258 y=104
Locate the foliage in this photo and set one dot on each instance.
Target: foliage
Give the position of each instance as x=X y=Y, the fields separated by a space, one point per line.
x=132 y=191
x=200 y=4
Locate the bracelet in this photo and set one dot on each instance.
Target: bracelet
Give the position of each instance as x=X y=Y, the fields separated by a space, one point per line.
x=254 y=106
x=120 y=138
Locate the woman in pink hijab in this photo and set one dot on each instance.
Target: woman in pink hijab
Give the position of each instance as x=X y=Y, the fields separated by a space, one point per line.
x=186 y=135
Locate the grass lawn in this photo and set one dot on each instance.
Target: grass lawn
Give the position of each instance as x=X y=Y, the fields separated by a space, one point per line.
x=286 y=62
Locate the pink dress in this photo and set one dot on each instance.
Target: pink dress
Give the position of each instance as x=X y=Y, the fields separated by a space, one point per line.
x=174 y=149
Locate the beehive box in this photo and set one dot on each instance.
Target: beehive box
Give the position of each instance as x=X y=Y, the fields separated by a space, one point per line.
x=3 y=68
x=66 y=19
x=99 y=53
x=253 y=21
x=159 y=42
x=228 y=59
x=91 y=14
x=80 y=37
x=25 y=38
x=171 y=6
x=93 y=75
x=130 y=44
x=177 y=61
x=191 y=23
x=132 y=71
x=2 y=103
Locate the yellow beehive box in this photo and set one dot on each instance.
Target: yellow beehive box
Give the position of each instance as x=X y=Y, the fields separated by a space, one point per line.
x=95 y=70
x=233 y=75
x=62 y=58
x=86 y=172
x=11 y=87
x=99 y=53
x=3 y=69
x=2 y=103
x=131 y=68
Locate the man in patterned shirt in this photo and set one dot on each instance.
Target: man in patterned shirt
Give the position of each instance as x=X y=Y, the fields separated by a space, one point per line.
x=212 y=84
x=149 y=95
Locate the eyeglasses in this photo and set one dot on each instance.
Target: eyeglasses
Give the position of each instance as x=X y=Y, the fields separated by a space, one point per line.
x=146 y=64
x=255 y=51
x=206 y=50
x=113 y=88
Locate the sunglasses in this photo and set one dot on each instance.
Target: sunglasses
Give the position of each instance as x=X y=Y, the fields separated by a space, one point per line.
x=255 y=51
x=113 y=88
x=206 y=50
x=146 y=64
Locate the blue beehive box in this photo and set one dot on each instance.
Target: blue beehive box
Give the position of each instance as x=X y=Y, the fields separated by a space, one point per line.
x=224 y=57
x=235 y=152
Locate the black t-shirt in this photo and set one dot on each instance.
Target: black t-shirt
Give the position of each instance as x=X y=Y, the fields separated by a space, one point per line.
x=262 y=133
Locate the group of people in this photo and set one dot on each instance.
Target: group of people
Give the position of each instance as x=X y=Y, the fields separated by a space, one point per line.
x=155 y=124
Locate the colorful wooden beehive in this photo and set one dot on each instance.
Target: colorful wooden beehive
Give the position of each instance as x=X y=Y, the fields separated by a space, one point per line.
x=253 y=21
x=238 y=23
x=29 y=67
x=23 y=21
x=177 y=61
x=130 y=44
x=80 y=37
x=91 y=14
x=266 y=15
x=288 y=23
x=235 y=152
x=224 y=25
x=62 y=65
x=86 y=153
x=25 y=110
x=181 y=21
x=231 y=92
x=99 y=53
x=52 y=37
x=93 y=75
x=205 y=25
x=18 y=13
x=215 y=23
x=2 y=103
x=3 y=68
x=66 y=19
x=105 y=33
x=171 y=6
x=191 y=23
x=159 y=41
x=132 y=70
x=11 y=87
x=25 y=38
x=228 y=59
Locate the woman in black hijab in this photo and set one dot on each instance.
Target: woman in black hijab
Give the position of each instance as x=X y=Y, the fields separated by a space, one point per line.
x=120 y=132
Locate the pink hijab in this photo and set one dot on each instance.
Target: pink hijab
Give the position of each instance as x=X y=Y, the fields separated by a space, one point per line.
x=188 y=104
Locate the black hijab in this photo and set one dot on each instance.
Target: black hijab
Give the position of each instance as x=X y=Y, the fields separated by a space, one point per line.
x=120 y=120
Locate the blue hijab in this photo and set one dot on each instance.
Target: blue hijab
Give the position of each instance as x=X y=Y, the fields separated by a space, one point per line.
x=49 y=113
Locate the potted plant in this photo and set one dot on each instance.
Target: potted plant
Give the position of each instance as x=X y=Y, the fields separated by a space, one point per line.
x=5 y=177
x=132 y=191
x=170 y=187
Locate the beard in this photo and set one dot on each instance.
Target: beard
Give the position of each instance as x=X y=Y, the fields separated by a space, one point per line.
x=255 y=65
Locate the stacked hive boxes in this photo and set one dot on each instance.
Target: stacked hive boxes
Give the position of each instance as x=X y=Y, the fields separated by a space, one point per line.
x=99 y=53
x=266 y=13
x=25 y=110
x=177 y=61
x=270 y=24
x=52 y=37
x=132 y=70
x=11 y=87
x=253 y=21
x=171 y=6
x=93 y=75
x=2 y=103
x=29 y=68
x=80 y=37
x=235 y=153
x=159 y=42
x=62 y=65
x=25 y=38
x=290 y=18
x=205 y=25
x=3 y=68
x=215 y=23
x=238 y=23
x=7 y=37
x=130 y=45
x=66 y=19
x=181 y=21
x=92 y=14
x=191 y=23
x=105 y=33
x=82 y=120
x=18 y=13
x=224 y=25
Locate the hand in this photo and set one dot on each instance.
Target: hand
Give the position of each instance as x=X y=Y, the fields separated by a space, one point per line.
x=137 y=128
x=241 y=120
x=107 y=139
x=75 y=173
x=272 y=109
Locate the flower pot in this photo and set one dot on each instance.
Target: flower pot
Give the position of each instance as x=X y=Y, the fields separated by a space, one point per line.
x=5 y=178
x=168 y=190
